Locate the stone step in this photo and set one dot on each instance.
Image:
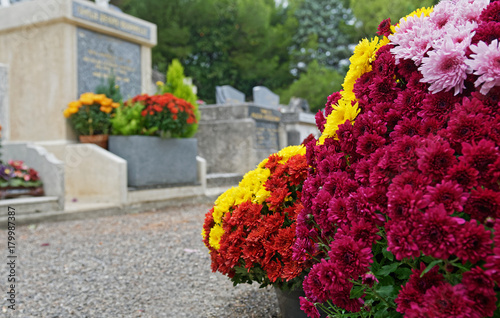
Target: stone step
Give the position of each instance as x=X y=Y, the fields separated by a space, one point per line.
x=29 y=205
x=223 y=179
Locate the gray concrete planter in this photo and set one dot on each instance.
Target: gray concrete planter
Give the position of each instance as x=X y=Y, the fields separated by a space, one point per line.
x=153 y=161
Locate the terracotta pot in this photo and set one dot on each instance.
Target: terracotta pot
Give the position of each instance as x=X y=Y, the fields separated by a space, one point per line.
x=100 y=140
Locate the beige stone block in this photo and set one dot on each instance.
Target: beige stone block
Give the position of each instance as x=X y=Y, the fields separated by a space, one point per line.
x=95 y=175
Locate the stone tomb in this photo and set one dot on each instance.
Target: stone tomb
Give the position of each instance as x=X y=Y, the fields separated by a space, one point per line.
x=56 y=50
x=235 y=138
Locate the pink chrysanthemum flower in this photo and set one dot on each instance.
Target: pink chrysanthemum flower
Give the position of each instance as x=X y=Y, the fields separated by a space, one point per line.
x=445 y=68
x=470 y=10
x=486 y=64
x=413 y=38
x=442 y=14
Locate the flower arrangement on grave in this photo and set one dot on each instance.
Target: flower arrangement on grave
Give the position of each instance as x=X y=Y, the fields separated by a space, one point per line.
x=251 y=228
x=164 y=115
x=402 y=202
x=90 y=115
x=16 y=173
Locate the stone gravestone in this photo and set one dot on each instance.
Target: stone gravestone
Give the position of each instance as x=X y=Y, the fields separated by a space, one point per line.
x=266 y=127
x=4 y=100
x=263 y=96
x=72 y=47
x=298 y=105
x=100 y=55
x=228 y=95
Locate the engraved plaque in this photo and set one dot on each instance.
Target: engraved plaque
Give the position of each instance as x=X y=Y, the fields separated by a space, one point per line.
x=100 y=55
x=267 y=124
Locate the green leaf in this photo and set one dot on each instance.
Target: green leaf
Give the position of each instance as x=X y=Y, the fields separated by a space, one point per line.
x=403 y=273
x=385 y=291
x=388 y=254
x=387 y=269
x=357 y=291
x=430 y=266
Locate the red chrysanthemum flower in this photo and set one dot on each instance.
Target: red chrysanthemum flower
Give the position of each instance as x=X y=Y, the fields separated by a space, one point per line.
x=400 y=240
x=491 y=13
x=368 y=143
x=403 y=203
x=438 y=105
x=483 y=203
x=479 y=156
x=406 y=127
x=384 y=28
x=309 y=308
x=448 y=193
x=463 y=174
x=435 y=235
x=473 y=242
x=350 y=257
x=445 y=301
x=436 y=158
x=412 y=293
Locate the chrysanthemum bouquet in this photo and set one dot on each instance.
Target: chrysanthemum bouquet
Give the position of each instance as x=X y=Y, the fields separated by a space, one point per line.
x=402 y=203
x=250 y=230
x=90 y=114
x=166 y=115
x=16 y=173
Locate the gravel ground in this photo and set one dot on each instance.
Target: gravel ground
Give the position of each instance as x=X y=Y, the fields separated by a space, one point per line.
x=150 y=264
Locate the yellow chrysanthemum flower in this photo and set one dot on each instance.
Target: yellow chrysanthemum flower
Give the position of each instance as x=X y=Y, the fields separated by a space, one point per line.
x=67 y=113
x=115 y=105
x=290 y=151
x=344 y=110
x=106 y=101
x=87 y=98
x=99 y=98
x=215 y=235
x=75 y=104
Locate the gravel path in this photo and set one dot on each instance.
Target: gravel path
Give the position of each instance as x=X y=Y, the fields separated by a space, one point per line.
x=151 y=264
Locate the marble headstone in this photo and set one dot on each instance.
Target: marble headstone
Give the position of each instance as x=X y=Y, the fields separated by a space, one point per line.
x=228 y=95
x=4 y=103
x=263 y=96
x=100 y=55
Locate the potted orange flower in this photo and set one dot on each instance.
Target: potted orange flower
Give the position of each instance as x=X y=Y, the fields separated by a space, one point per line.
x=90 y=117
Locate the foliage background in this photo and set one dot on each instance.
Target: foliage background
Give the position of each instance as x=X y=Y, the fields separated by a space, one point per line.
x=247 y=43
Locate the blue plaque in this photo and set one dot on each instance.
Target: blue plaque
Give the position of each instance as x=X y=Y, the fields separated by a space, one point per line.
x=93 y=14
x=100 y=55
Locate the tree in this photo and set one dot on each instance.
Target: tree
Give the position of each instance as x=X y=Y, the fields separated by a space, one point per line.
x=315 y=86
x=242 y=43
x=324 y=34
x=369 y=14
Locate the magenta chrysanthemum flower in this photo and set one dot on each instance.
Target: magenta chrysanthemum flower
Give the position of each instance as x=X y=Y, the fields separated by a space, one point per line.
x=480 y=289
x=473 y=242
x=435 y=235
x=483 y=203
x=486 y=64
x=486 y=32
x=448 y=193
x=491 y=13
x=479 y=156
x=463 y=174
x=368 y=143
x=445 y=68
x=309 y=308
x=412 y=293
x=438 y=105
x=436 y=158
x=400 y=240
x=445 y=301
x=350 y=257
